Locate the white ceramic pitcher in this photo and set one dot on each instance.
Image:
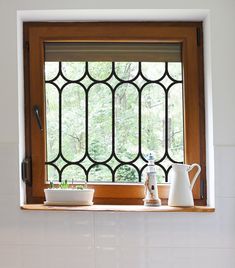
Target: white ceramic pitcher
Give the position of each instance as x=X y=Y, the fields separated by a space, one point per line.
x=181 y=188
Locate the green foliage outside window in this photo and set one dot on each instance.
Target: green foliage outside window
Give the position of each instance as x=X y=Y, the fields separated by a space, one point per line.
x=100 y=119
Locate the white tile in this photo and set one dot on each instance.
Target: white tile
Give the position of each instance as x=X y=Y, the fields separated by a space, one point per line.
x=119 y=229
x=216 y=258
x=55 y=257
x=31 y=256
x=213 y=230
x=168 y=229
x=72 y=257
x=69 y=228
x=80 y=257
x=158 y=229
x=131 y=257
x=8 y=108
x=205 y=231
x=165 y=257
x=224 y=171
x=106 y=229
x=204 y=258
x=131 y=230
x=32 y=227
x=106 y=257
x=157 y=257
x=9 y=257
x=9 y=219
x=184 y=258
x=181 y=230
x=222 y=258
x=226 y=222
x=9 y=169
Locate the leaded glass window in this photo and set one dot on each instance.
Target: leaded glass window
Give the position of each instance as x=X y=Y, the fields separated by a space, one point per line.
x=108 y=106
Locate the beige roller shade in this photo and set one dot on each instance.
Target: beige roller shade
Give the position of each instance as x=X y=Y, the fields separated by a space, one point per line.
x=119 y=52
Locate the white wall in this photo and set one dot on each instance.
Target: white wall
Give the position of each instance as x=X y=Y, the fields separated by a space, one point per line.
x=86 y=239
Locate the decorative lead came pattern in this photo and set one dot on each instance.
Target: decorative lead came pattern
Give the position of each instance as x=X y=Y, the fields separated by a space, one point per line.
x=103 y=118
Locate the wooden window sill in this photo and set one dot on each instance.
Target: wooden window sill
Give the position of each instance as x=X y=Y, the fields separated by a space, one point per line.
x=118 y=208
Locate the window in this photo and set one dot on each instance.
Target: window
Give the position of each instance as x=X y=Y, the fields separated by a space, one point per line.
x=100 y=96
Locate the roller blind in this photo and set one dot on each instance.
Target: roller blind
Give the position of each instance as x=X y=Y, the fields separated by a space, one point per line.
x=119 y=52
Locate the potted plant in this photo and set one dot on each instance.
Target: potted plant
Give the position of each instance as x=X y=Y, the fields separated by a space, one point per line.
x=78 y=195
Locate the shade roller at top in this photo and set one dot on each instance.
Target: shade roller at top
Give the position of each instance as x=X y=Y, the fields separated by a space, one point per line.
x=119 y=52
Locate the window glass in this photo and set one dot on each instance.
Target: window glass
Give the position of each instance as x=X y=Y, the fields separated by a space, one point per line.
x=108 y=106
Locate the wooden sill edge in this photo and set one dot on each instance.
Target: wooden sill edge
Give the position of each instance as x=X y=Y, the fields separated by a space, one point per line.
x=118 y=208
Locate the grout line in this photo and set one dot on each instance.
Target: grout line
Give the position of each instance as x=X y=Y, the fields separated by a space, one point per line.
x=225 y=197
x=224 y=145
x=94 y=240
x=114 y=247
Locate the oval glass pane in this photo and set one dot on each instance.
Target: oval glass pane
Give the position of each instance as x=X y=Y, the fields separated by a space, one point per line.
x=52 y=121
x=153 y=120
x=159 y=173
x=153 y=70
x=51 y=70
x=99 y=173
x=126 y=70
x=100 y=70
x=73 y=122
x=126 y=122
x=52 y=174
x=175 y=123
x=175 y=70
x=100 y=122
x=73 y=70
x=126 y=173
x=73 y=173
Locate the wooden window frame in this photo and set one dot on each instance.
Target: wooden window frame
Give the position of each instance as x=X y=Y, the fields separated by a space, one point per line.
x=189 y=34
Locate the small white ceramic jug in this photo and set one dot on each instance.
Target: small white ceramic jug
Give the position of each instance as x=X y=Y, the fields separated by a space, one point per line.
x=181 y=188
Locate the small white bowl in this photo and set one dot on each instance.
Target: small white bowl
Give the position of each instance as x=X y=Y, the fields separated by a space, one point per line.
x=69 y=197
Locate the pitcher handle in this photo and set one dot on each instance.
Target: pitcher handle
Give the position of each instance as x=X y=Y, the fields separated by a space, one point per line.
x=196 y=175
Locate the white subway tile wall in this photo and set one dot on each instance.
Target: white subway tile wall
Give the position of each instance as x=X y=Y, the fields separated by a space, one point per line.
x=10 y=256
x=107 y=257
x=225 y=171
x=111 y=239
x=9 y=169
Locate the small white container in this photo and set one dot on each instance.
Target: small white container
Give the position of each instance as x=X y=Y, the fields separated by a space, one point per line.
x=72 y=197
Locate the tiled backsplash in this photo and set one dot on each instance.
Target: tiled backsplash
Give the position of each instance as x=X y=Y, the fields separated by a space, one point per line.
x=117 y=239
